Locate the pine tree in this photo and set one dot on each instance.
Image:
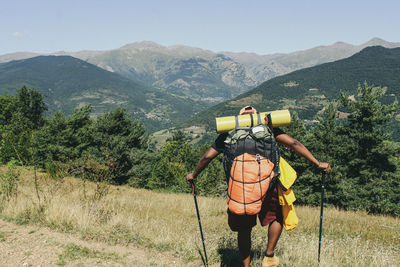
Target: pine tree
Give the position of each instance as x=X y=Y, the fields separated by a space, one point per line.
x=115 y=136
x=20 y=115
x=368 y=157
x=326 y=144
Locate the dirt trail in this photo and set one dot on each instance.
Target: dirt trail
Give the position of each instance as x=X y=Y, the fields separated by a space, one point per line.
x=27 y=245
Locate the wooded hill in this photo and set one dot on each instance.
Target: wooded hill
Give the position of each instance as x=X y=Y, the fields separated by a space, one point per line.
x=306 y=91
x=68 y=83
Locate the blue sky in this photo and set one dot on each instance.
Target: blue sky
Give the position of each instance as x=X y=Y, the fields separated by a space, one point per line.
x=263 y=27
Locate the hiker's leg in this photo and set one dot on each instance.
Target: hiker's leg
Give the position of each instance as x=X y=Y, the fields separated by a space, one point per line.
x=244 y=244
x=274 y=232
x=271 y=215
x=243 y=225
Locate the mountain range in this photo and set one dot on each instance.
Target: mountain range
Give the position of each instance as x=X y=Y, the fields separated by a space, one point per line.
x=164 y=86
x=204 y=75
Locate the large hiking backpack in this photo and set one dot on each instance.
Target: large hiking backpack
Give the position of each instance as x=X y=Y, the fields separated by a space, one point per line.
x=251 y=163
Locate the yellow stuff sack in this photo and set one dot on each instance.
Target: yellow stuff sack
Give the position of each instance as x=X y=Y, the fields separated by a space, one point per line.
x=286 y=197
x=288 y=175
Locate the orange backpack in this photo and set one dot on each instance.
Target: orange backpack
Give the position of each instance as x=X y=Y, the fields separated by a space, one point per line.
x=248 y=183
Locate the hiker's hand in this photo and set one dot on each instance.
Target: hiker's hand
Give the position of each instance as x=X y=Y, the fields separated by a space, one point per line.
x=324 y=166
x=190 y=178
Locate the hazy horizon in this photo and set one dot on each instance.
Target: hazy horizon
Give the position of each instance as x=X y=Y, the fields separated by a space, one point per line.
x=260 y=27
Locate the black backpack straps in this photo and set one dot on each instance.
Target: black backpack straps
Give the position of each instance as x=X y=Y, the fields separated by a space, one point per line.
x=236 y=122
x=259 y=118
x=251 y=118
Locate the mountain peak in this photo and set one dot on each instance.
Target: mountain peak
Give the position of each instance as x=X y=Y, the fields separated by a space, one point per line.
x=341 y=44
x=142 y=45
x=379 y=42
x=375 y=41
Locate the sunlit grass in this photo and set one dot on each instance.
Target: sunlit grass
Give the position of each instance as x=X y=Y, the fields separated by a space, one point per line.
x=168 y=222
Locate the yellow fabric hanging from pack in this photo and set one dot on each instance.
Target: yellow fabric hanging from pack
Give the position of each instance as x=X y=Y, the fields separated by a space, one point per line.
x=288 y=174
x=286 y=198
x=290 y=219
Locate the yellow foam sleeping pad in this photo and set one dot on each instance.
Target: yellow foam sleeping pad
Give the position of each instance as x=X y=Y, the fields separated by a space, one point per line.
x=279 y=118
x=286 y=198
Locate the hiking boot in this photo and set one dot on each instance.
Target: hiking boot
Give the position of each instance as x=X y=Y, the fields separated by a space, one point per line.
x=270 y=261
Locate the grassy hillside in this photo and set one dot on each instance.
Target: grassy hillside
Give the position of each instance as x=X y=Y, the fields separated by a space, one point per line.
x=70 y=83
x=308 y=90
x=167 y=223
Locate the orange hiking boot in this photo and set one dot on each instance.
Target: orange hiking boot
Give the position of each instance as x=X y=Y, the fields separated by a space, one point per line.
x=270 y=261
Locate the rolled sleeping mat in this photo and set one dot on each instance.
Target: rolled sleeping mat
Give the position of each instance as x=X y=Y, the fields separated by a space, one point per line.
x=279 y=118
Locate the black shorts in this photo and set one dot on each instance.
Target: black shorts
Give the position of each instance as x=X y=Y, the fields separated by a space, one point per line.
x=270 y=211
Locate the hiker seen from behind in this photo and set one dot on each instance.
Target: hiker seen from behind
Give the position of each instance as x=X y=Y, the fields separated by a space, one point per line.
x=259 y=181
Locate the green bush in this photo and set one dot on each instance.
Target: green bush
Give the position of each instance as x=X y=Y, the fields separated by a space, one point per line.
x=9 y=181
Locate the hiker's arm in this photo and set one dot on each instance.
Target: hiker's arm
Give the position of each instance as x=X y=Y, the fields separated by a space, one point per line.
x=301 y=150
x=203 y=162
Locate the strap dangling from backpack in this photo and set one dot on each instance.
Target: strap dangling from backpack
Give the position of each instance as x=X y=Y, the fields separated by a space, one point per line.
x=259 y=118
x=236 y=122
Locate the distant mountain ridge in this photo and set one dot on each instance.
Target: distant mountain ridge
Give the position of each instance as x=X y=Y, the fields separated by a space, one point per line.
x=203 y=74
x=70 y=83
x=306 y=91
x=280 y=64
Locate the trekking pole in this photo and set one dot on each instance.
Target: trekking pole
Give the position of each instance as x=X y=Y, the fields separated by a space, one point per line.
x=201 y=230
x=322 y=214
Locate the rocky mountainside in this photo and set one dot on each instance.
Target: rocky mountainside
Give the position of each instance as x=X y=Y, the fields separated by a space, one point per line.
x=186 y=71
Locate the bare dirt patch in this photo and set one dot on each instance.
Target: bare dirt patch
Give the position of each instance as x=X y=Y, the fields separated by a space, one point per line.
x=27 y=245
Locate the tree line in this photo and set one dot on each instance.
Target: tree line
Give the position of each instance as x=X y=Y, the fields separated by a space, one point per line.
x=349 y=135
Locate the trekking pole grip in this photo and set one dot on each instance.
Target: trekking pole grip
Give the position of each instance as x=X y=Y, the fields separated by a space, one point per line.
x=193 y=188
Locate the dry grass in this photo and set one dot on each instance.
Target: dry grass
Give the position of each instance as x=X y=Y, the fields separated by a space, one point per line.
x=168 y=222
